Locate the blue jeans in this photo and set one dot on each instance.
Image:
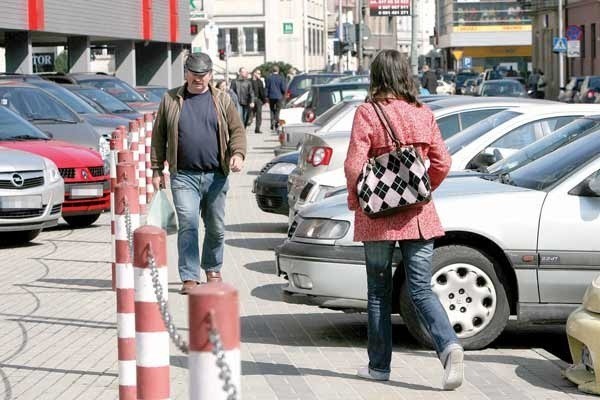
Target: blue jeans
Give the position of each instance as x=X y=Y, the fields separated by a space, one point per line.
x=199 y=193
x=416 y=256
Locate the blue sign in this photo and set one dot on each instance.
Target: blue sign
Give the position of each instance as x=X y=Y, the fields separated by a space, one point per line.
x=467 y=63
x=574 y=32
x=559 y=45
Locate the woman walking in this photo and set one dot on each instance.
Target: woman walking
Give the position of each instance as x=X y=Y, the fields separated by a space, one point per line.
x=393 y=89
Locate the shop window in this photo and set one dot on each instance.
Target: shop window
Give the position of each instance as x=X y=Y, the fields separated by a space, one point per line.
x=233 y=39
x=254 y=40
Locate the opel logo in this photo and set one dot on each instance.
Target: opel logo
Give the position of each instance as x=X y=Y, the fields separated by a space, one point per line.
x=84 y=174
x=17 y=180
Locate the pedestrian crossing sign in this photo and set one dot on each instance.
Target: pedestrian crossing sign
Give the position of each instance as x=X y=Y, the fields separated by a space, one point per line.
x=559 y=45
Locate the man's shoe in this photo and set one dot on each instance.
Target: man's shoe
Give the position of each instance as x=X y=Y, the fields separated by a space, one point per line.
x=368 y=373
x=213 y=276
x=187 y=286
x=452 y=359
x=257 y=132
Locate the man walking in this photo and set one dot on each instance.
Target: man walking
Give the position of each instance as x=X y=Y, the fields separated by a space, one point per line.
x=429 y=80
x=199 y=132
x=260 y=98
x=275 y=93
x=243 y=88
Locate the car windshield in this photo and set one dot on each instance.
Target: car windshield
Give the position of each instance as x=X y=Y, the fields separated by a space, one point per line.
x=108 y=102
x=466 y=136
x=548 y=144
x=549 y=170
x=13 y=127
x=117 y=88
x=35 y=105
x=70 y=99
x=504 y=88
x=151 y=95
x=462 y=77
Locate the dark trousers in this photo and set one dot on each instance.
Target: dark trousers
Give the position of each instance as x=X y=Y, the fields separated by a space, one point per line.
x=275 y=106
x=246 y=115
x=257 y=111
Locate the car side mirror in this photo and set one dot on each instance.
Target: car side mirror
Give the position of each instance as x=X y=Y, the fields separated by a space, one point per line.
x=588 y=188
x=50 y=135
x=481 y=160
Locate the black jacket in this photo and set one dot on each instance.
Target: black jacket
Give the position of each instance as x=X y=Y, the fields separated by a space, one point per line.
x=429 y=81
x=259 y=90
x=244 y=91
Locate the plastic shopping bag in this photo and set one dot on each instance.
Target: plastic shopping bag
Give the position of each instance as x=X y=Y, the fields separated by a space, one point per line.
x=162 y=213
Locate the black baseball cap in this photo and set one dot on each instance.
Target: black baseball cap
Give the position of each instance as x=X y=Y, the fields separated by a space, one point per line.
x=198 y=63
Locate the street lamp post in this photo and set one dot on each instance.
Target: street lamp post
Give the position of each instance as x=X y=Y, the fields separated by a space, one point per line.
x=561 y=55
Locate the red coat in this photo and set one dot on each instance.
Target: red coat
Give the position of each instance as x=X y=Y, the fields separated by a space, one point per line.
x=416 y=126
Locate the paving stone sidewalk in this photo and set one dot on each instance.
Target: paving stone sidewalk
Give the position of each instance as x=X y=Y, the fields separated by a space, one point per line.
x=58 y=331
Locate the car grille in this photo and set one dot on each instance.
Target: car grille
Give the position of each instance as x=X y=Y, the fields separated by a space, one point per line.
x=269 y=202
x=67 y=173
x=266 y=168
x=56 y=209
x=306 y=191
x=27 y=183
x=22 y=213
x=96 y=171
x=292 y=229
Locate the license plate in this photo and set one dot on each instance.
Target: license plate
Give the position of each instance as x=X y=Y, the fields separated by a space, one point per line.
x=86 y=191
x=21 y=202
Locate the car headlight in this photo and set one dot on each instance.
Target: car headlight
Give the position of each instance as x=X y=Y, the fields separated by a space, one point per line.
x=103 y=147
x=51 y=170
x=281 y=168
x=322 y=229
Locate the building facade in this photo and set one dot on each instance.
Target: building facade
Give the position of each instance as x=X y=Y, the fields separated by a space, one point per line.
x=426 y=11
x=487 y=33
x=147 y=39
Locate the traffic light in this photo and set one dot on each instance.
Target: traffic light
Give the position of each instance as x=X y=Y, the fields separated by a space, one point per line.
x=222 y=56
x=193 y=29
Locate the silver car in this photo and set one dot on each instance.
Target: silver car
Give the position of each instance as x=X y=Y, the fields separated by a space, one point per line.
x=526 y=246
x=31 y=195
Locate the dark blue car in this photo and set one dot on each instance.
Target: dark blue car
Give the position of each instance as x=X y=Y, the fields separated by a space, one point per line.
x=270 y=187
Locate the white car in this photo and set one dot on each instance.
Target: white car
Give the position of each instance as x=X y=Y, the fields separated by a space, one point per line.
x=444 y=87
x=31 y=195
x=292 y=113
x=526 y=246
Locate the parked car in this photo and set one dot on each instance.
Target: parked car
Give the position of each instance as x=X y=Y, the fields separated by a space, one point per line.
x=444 y=87
x=571 y=90
x=31 y=193
x=589 y=92
x=461 y=78
x=152 y=93
x=526 y=246
x=110 y=84
x=270 y=186
x=471 y=86
x=302 y=82
x=505 y=133
x=291 y=113
x=107 y=103
x=51 y=115
x=352 y=79
x=86 y=183
x=502 y=87
x=323 y=97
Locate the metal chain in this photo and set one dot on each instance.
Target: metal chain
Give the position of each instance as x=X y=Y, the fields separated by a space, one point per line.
x=164 y=308
x=129 y=229
x=217 y=349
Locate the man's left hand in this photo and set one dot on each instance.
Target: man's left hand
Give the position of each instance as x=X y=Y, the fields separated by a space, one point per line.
x=236 y=163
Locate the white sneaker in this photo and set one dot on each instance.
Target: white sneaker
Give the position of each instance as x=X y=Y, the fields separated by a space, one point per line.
x=367 y=373
x=452 y=359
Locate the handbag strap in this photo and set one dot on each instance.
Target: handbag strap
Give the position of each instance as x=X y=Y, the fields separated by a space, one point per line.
x=383 y=118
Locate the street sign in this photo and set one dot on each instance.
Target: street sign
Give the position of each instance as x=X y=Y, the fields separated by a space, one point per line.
x=559 y=45
x=574 y=32
x=573 y=48
x=288 y=28
x=467 y=62
x=457 y=54
x=389 y=8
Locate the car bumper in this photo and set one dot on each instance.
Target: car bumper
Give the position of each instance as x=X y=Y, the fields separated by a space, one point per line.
x=271 y=193
x=283 y=150
x=93 y=204
x=52 y=196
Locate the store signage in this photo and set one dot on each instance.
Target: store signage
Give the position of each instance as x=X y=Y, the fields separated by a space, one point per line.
x=40 y=59
x=389 y=8
x=288 y=28
x=492 y=28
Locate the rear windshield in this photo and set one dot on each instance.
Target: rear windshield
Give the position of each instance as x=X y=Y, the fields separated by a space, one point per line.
x=467 y=136
x=108 y=102
x=328 y=115
x=330 y=96
x=117 y=88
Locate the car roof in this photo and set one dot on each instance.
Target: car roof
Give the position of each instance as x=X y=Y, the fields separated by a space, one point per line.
x=450 y=101
x=342 y=85
x=16 y=83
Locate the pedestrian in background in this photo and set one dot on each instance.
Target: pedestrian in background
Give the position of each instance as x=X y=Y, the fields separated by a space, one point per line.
x=199 y=132
x=429 y=80
x=243 y=89
x=258 y=87
x=222 y=85
x=414 y=229
x=275 y=92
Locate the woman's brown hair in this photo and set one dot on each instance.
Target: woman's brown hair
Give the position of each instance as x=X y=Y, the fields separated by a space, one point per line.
x=391 y=77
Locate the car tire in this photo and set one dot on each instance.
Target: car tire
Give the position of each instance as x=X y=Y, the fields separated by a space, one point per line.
x=463 y=278
x=81 y=221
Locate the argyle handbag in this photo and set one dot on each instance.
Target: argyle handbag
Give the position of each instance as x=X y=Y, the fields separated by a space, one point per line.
x=394 y=181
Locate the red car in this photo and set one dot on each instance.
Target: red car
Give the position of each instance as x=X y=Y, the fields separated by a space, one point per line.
x=87 y=184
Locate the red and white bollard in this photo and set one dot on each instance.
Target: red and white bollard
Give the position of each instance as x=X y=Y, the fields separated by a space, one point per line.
x=149 y=119
x=116 y=145
x=142 y=164
x=153 y=373
x=214 y=306
x=125 y=200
